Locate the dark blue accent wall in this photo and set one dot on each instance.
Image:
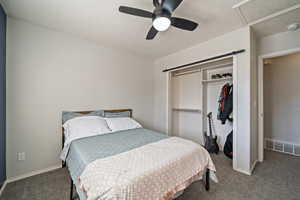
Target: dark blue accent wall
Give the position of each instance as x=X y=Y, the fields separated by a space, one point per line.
x=2 y=95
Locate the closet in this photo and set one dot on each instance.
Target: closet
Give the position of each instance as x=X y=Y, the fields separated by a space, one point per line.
x=193 y=93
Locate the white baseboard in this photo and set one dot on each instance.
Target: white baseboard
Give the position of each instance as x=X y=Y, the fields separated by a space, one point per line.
x=33 y=173
x=3 y=187
x=249 y=173
x=244 y=171
x=253 y=166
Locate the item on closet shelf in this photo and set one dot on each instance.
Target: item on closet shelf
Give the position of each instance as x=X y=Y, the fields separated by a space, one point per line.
x=213 y=76
x=228 y=146
x=220 y=76
x=225 y=103
x=227 y=75
x=211 y=144
x=216 y=76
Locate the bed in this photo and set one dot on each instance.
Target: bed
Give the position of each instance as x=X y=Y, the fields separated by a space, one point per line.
x=97 y=161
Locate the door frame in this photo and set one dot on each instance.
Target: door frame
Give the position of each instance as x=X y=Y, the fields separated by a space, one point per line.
x=261 y=95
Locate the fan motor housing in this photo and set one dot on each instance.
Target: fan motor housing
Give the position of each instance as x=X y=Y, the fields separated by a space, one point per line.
x=161 y=12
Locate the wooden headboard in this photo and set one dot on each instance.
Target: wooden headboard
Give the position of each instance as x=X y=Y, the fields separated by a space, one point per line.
x=105 y=111
x=87 y=112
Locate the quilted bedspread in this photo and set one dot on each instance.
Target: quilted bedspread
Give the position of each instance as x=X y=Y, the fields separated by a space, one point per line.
x=154 y=171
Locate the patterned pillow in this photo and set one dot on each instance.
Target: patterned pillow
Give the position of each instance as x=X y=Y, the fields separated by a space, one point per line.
x=67 y=115
x=116 y=115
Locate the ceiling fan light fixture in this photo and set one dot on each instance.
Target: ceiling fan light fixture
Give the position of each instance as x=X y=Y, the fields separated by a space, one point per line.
x=161 y=17
x=161 y=23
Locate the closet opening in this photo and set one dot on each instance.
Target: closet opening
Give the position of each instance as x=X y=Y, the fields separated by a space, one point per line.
x=194 y=93
x=279 y=105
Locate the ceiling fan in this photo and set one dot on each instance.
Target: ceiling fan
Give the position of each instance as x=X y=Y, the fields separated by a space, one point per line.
x=161 y=17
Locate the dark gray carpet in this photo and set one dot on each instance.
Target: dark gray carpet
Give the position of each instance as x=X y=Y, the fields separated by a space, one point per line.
x=278 y=178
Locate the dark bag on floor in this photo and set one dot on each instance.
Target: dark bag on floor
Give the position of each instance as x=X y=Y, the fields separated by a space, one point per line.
x=228 y=146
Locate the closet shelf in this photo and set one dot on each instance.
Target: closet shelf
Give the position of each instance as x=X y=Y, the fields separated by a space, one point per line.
x=217 y=80
x=187 y=110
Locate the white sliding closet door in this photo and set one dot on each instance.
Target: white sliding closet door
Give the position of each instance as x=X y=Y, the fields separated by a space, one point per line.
x=186 y=104
x=187 y=91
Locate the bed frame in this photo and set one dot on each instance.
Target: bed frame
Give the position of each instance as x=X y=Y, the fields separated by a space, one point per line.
x=206 y=179
x=64 y=164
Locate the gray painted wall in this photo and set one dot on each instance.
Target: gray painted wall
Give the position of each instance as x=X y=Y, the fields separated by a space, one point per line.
x=87 y=76
x=282 y=98
x=2 y=95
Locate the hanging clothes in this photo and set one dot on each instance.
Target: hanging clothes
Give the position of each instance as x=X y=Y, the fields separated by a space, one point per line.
x=225 y=103
x=228 y=151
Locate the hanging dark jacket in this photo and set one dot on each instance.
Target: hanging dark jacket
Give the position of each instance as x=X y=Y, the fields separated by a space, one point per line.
x=225 y=103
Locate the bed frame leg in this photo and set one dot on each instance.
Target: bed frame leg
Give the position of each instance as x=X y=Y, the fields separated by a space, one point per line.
x=71 y=189
x=207 y=179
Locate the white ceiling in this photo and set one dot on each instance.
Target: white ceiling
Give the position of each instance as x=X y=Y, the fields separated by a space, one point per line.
x=257 y=9
x=100 y=21
x=277 y=24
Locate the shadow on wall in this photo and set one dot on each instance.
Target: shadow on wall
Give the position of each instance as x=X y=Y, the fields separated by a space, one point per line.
x=2 y=95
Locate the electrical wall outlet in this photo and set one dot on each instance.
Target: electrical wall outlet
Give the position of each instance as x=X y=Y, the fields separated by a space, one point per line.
x=21 y=156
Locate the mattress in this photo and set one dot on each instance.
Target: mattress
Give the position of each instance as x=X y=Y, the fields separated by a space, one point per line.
x=86 y=150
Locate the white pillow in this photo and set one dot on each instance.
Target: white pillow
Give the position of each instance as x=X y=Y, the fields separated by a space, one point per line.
x=122 y=123
x=84 y=127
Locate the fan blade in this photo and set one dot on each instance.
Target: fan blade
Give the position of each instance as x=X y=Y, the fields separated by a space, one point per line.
x=151 y=34
x=183 y=24
x=171 y=5
x=135 y=12
x=156 y=3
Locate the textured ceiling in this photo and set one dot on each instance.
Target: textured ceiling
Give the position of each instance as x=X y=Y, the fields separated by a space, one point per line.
x=257 y=9
x=100 y=21
x=277 y=24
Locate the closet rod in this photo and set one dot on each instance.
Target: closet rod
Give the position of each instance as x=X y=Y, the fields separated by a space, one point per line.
x=203 y=69
x=205 y=60
x=217 y=66
x=187 y=72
